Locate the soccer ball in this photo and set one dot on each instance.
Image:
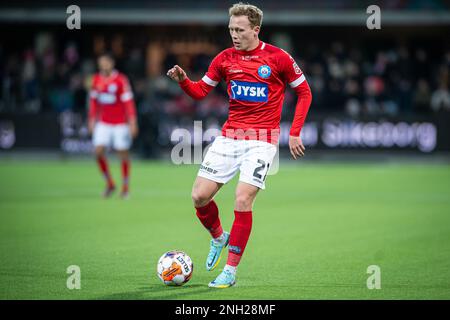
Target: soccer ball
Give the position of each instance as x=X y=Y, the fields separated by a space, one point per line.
x=175 y=268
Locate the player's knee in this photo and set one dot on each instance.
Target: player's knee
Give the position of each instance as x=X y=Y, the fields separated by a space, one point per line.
x=99 y=152
x=243 y=202
x=199 y=199
x=123 y=155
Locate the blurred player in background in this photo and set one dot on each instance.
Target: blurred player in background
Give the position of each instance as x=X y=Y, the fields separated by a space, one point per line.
x=256 y=74
x=112 y=120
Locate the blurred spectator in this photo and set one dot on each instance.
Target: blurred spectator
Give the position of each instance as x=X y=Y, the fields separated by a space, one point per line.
x=54 y=75
x=440 y=99
x=11 y=85
x=30 y=84
x=422 y=96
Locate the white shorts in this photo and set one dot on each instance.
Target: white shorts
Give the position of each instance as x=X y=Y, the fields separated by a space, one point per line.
x=117 y=136
x=226 y=156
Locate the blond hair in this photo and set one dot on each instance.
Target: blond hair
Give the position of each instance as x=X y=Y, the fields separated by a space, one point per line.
x=254 y=14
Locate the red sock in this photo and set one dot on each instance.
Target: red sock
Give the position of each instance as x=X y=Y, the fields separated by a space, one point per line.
x=125 y=174
x=209 y=217
x=103 y=165
x=240 y=232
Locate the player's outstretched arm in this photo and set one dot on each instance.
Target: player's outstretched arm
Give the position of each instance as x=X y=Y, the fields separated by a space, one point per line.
x=196 y=90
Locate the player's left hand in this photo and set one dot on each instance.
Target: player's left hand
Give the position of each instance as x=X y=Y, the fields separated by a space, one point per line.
x=296 y=147
x=134 y=129
x=91 y=126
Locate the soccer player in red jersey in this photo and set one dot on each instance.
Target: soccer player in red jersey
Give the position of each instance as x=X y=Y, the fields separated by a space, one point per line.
x=256 y=74
x=112 y=120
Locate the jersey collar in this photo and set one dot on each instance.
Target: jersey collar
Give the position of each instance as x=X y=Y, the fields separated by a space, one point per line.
x=260 y=46
x=113 y=75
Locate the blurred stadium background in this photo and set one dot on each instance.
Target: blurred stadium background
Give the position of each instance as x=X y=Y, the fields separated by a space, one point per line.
x=383 y=90
x=378 y=95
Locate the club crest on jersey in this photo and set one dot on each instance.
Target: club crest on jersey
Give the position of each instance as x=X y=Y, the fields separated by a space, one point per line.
x=249 y=91
x=264 y=71
x=112 y=87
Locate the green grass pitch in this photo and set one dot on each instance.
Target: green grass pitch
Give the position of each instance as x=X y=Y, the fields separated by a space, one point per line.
x=316 y=229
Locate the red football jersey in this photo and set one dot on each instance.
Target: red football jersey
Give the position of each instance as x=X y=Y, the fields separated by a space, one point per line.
x=256 y=81
x=111 y=99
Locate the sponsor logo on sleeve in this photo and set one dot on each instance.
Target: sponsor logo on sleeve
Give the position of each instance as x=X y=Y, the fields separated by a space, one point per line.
x=296 y=68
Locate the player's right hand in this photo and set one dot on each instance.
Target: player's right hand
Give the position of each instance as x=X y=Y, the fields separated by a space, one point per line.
x=177 y=74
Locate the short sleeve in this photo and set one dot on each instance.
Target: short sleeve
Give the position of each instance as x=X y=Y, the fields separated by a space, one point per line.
x=214 y=73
